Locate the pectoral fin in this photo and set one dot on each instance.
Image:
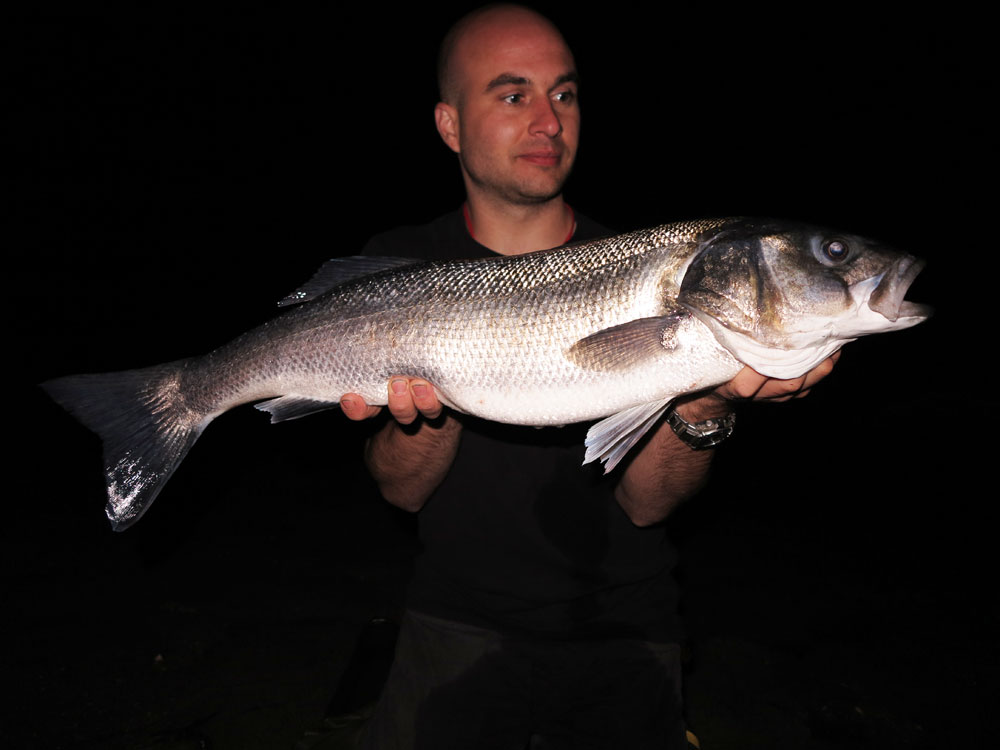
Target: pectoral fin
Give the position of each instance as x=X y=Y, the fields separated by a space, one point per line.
x=611 y=438
x=628 y=345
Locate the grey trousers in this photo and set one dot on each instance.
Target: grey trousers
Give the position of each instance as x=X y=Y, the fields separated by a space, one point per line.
x=458 y=687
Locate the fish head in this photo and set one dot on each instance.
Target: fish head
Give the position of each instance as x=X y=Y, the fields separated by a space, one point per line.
x=783 y=297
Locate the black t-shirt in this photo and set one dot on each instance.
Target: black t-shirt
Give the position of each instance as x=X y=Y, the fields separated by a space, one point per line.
x=521 y=537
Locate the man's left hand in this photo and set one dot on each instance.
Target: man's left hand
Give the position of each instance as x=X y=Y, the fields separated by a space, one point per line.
x=750 y=385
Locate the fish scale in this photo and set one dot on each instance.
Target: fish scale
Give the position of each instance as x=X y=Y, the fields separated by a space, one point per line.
x=612 y=329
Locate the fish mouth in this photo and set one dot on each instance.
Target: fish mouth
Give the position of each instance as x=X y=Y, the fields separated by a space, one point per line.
x=887 y=298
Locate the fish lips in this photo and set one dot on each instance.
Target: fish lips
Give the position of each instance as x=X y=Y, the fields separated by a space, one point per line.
x=887 y=298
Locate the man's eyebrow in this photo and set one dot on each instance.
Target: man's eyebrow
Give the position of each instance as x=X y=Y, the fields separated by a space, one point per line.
x=570 y=77
x=506 y=79
x=511 y=79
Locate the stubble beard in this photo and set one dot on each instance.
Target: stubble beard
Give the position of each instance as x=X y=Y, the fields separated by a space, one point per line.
x=517 y=192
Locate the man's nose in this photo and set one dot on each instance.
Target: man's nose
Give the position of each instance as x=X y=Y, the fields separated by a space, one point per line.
x=545 y=120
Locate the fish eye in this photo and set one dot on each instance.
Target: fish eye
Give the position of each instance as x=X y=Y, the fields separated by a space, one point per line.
x=836 y=250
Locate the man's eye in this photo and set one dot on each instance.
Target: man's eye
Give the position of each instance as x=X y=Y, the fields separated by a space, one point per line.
x=566 y=97
x=514 y=98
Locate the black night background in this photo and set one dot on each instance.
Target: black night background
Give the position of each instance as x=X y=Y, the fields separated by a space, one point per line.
x=171 y=178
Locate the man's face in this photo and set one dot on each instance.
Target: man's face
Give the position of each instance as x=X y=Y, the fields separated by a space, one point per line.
x=518 y=120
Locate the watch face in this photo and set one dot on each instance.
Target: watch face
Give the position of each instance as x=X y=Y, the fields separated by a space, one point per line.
x=701 y=435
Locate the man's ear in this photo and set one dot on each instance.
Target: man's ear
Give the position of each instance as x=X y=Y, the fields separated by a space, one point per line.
x=446 y=119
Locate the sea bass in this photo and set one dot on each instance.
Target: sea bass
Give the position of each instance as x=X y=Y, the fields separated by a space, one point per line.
x=613 y=329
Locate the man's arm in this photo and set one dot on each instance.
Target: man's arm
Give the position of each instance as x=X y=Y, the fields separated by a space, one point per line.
x=408 y=461
x=407 y=458
x=666 y=471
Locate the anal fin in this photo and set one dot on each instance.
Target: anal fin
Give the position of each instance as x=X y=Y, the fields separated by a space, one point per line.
x=288 y=407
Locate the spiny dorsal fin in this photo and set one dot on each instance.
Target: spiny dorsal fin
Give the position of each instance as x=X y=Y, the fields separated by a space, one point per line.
x=340 y=270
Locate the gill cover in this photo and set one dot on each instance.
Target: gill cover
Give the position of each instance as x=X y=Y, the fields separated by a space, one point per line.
x=728 y=281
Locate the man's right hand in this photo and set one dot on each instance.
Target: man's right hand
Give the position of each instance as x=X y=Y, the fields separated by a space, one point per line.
x=408 y=398
x=408 y=464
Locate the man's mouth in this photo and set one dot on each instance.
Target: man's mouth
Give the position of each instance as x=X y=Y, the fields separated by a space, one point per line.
x=542 y=158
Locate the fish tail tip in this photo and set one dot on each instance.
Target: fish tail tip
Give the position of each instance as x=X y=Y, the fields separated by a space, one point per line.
x=116 y=526
x=119 y=525
x=145 y=431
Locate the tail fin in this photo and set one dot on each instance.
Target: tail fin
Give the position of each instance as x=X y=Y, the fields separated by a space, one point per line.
x=144 y=424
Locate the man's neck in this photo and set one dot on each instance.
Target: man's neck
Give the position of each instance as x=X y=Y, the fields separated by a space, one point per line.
x=513 y=229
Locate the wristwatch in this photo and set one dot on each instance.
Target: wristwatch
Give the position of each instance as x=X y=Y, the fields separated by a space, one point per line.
x=701 y=435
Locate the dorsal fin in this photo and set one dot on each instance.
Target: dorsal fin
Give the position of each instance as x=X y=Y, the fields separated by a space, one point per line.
x=340 y=270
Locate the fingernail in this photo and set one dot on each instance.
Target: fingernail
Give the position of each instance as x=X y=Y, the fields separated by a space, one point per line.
x=398 y=386
x=347 y=402
x=420 y=390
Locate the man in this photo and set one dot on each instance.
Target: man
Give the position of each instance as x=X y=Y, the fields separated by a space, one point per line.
x=542 y=607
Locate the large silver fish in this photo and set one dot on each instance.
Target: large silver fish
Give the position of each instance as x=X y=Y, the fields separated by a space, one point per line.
x=612 y=329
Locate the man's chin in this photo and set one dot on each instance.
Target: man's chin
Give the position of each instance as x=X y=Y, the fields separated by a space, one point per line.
x=533 y=199
x=539 y=192
x=533 y=189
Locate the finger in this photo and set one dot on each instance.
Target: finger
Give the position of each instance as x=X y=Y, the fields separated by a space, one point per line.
x=354 y=407
x=425 y=399
x=821 y=370
x=786 y=394
x=782 y=390
x=744 y=386
x=401 y=401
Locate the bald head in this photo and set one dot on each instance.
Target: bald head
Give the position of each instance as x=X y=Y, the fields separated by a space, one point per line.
x=509 y=106
x=500 y=23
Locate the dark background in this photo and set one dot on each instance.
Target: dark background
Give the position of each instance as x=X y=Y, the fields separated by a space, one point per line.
x=172 y=178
